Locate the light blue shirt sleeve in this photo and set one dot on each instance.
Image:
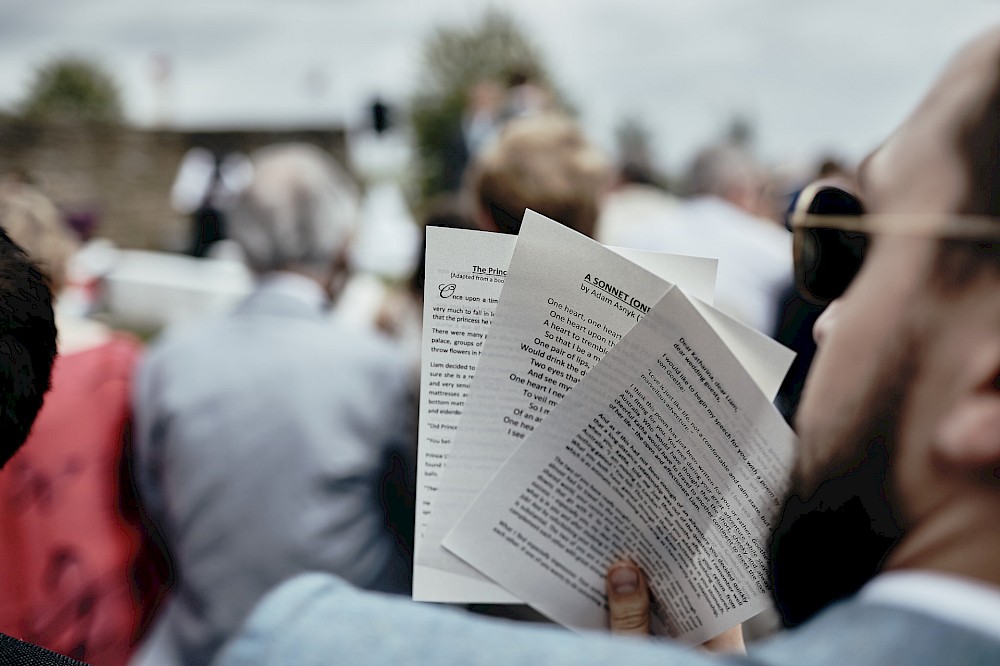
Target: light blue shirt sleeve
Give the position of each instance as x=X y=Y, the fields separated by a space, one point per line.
x=316 y=619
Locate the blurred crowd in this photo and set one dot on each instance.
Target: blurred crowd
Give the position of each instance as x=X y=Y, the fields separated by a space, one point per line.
x=174 y=478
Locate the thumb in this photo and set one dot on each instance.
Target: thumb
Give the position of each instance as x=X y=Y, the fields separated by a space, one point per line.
x=628 y=599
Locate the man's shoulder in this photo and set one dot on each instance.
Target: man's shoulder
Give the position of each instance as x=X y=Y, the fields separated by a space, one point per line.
x=855 y=632
x=292 y=348
x=312 y=617
x=316 y=618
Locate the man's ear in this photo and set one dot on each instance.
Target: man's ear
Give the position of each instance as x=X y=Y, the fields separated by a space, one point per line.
x=969 y=434
x=338 y=271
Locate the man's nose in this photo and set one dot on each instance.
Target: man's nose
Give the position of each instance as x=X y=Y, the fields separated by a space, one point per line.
x=826 y=322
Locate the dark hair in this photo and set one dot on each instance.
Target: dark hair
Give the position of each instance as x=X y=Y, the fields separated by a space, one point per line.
x=978 y=146
x=27 y=345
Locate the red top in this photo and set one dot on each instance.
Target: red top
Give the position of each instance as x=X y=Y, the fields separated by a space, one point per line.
x=78 y=575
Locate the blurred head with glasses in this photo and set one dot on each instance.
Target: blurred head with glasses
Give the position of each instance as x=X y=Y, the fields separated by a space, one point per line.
x=899 y=465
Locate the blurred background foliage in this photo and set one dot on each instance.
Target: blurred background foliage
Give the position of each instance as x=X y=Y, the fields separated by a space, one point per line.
x=453 y=60
x=72 y=89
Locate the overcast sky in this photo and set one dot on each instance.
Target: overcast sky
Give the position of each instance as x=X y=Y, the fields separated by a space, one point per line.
x=813 y=76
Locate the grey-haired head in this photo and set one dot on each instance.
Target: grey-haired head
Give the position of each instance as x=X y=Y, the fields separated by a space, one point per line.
x=298 y=212
x=728 y=172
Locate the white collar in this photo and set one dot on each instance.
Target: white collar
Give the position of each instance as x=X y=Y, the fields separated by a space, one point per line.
x=964 y=601
x=295 y=286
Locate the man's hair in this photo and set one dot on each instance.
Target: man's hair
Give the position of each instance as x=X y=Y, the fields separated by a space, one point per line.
x=720 y=170
x=27 y=344
x=978 y=147
x=545 y=163
x=298 y=211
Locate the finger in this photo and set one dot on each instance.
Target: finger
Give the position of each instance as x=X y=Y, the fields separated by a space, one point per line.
x=628 y=599
x=730 y=640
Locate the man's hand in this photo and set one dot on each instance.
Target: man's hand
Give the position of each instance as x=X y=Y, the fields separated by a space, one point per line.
x=628 y=606
x=628 y=599
x=730 y=640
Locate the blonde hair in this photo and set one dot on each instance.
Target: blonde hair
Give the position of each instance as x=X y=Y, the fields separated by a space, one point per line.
x=545 y=163
x=34 y=223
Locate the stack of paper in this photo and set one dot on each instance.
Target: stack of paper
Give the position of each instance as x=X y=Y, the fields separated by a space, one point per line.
x=580 y=405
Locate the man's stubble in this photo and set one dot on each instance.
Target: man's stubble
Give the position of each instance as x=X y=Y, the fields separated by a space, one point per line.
x=837 y=528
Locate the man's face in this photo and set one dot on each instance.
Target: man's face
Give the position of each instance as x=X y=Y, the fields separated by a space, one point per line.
x=844 y=514
x=863 y=340
x=838 y=525
x=920 y=169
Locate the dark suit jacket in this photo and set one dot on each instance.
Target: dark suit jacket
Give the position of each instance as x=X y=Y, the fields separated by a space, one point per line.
x=18 y=653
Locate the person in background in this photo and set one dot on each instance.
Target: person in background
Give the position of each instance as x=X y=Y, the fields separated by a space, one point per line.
x=718 y=220
x=203 y=186
x=482 y=117
x=28 y=344
x=526 y=95
x=886 y=549
x=488 y=107
x=542 y=162
x=635 y=199
x=401 y=313
x=80 y=573
x=263 y=437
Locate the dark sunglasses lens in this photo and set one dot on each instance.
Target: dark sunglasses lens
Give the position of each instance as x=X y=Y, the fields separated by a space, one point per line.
x=828 y=261
x=834 y=201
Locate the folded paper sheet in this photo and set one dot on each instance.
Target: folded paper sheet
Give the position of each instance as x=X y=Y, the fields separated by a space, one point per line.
x=566 y=300
x=667 y=453
x=465 y=273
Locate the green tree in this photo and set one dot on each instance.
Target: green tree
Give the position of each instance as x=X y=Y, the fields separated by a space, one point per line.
x=453 y=60
x=71 y=88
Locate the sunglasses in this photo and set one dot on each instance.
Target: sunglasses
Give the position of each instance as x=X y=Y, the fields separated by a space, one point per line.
x=831 y=233
x=827 y=255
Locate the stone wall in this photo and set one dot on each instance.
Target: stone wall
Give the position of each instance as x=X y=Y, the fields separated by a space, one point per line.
x=124 y=175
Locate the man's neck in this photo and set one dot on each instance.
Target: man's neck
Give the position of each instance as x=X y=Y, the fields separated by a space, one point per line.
x=959 y=538
x=296 y=285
